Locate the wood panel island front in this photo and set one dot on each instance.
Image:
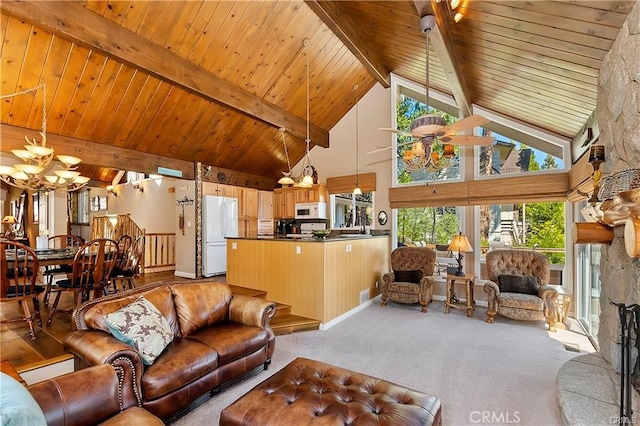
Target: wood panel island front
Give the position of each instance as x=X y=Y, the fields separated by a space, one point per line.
x=320 y=279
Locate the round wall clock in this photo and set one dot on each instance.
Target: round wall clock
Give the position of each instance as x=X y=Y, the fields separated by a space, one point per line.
x=382 y=217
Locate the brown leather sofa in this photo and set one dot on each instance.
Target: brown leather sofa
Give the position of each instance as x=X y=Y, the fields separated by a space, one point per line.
x=86 y=397
x=218 y=339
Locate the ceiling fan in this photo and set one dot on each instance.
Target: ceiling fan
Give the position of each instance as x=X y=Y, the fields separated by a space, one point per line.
x=431 y=127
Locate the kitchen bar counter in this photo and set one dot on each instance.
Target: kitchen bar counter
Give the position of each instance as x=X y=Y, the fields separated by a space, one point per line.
x=302 y=237
x=319 y=281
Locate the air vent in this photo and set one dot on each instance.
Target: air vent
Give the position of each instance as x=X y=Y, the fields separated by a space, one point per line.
x=364 y=296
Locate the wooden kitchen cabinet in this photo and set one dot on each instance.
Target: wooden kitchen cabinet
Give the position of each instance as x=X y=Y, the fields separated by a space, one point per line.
x=265 y=204
x=247 y=202
x=285 y=199
x=247 y=228
x=247 y=211
x=318 y=193
x=218 y=189
x=284 y=203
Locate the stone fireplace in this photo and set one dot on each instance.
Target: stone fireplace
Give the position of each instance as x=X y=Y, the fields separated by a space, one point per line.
x=618 y=117
x=588 y=386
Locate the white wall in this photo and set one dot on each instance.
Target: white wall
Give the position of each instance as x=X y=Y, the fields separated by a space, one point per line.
x=154 y=209
x=374 y=111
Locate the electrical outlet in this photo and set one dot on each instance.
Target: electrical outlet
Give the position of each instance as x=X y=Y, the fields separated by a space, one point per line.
x=234 y=246
x=376 y=283
x=298 y=249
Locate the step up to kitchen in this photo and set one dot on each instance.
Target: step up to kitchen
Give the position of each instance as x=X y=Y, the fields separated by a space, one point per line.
x=289 y=323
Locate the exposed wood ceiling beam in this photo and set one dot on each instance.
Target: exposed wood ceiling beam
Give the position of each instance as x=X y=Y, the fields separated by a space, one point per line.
x=442 y=42
x=330 y=13
x=96 y=153
x=72 y=22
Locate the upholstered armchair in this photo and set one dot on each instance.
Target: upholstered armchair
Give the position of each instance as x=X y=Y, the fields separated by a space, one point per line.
x=518 y=286
x=412 y=278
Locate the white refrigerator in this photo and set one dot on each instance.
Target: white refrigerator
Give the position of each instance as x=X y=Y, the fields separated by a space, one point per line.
x=219 y=220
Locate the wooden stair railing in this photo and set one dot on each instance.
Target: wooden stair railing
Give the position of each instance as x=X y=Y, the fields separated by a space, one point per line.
x=159 y=248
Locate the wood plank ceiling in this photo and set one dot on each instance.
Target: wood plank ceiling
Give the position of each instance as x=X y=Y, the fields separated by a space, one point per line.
x=212 y=81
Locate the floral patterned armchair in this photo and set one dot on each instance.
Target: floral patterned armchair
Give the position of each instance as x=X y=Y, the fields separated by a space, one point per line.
x=412 y=278
x=518 y=286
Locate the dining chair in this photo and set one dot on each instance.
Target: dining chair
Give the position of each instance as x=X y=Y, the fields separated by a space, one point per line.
x=124 y=244
x=127 y=268
x=91 y=269
x=18 y=274
x=58 y=242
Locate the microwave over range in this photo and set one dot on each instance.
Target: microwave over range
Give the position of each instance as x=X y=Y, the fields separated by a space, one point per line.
x=311 y=210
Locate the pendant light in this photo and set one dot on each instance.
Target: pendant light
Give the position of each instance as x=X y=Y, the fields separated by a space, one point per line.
x=286 y=179
x=307 y=170
x=357 y=190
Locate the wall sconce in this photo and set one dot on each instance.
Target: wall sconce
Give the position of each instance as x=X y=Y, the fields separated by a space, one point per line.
x=596 y=157
x=111 y=190
x=452 y=5
x=137 y=185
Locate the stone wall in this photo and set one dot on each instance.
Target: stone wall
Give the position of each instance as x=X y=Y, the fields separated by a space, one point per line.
x=618 y=117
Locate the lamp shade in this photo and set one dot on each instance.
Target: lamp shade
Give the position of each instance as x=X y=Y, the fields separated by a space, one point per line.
x=461 y=244
x=9 y=219
x=286 y=180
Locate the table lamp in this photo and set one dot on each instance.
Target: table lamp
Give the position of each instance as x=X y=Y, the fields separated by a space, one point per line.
x=461 y=244
x=11 y=221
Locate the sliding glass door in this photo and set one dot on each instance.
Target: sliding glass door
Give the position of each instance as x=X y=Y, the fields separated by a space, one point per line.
x=588 y=285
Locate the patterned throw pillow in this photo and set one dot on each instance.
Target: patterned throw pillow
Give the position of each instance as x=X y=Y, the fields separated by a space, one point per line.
x=408 y=276
x=518 y=284
x=141 y=325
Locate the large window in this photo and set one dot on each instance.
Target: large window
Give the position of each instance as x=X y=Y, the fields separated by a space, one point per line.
x=429 y=225
x=530 y=225
x=507 y=156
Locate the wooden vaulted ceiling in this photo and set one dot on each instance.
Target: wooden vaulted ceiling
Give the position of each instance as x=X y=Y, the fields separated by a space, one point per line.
x=212 y=81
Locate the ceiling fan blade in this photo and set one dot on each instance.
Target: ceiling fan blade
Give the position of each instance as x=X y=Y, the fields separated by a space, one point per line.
x=390 y=147
x=400 y=132
x=464 y=124
x=468 y=140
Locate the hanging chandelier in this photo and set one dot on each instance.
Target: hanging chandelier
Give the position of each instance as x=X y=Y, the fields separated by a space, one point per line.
x=36 y=172
x=423 y=155
x=306 y=178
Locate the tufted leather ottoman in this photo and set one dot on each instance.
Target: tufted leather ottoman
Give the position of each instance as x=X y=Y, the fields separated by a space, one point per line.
x=308 y=391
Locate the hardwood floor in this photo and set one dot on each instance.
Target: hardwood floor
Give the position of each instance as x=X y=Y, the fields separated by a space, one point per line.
x=24 y=353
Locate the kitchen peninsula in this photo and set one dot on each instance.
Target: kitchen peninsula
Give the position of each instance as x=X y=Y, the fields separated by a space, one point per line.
x=320 y=279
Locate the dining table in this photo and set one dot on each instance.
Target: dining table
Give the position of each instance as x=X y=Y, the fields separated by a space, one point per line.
x=49 y=256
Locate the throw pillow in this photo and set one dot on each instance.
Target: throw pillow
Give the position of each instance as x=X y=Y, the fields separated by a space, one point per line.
x=18 y=406
x=408 y=276
x=518 y=284
x=141 y=325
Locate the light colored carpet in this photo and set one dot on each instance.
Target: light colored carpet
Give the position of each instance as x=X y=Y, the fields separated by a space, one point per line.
x=501 y=373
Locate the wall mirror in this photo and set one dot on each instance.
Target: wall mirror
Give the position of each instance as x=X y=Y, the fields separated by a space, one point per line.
x=382 y=217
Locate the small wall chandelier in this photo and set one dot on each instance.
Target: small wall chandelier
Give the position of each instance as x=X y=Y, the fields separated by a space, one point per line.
x=306 y=179
x=36 y=173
